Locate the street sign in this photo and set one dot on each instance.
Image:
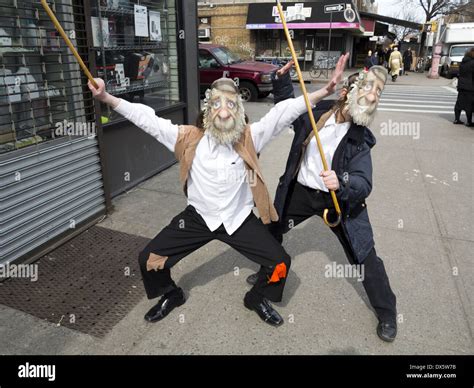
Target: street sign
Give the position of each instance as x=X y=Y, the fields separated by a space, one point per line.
x=334 y=8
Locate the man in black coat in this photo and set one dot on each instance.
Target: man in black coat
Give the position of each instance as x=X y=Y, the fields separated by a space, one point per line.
x=465 y=100
x=407 y=60
x=303 y=188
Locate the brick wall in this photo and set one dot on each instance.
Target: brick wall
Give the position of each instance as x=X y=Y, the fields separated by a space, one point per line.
x=228 y=28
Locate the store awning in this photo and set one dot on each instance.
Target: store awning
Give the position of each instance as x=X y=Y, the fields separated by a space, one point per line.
x=373 y=27
x=308 y=15
x=390 y=20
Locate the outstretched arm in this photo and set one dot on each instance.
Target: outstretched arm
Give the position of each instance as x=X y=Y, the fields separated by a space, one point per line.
x=276 y=120
x=282 y=84
x=330 y=88
x=141 y=115
x=287 y=111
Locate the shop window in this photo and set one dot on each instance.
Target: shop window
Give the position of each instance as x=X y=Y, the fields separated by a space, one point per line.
x=272 y=44
x=322 y=43
x=135 y=45
x=41 y=86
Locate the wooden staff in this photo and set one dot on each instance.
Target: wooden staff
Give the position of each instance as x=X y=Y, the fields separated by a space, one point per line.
x=68 y=42
x=311 y=118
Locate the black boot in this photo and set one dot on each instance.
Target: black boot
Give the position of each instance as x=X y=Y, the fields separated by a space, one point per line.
x=167 y=303
x=457 y=115
x=263 y=308
x=387 y=331
x=252 y=279
x=469 y=119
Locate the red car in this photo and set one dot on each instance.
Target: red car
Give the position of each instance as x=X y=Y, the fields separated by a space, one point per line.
x=217 y=61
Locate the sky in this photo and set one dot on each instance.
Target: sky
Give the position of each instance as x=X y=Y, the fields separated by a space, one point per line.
x=392 y=8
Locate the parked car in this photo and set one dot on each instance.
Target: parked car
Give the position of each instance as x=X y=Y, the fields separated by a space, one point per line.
x=216 y=61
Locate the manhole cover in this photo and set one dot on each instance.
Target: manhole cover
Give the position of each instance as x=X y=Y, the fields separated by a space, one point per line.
x=88 y=284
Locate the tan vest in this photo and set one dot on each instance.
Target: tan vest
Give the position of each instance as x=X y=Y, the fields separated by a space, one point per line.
x=188 y=139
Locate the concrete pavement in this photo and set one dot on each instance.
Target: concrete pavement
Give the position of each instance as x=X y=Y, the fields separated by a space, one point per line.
x=421 y=210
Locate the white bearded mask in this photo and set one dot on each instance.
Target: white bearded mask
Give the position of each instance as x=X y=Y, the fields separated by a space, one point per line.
x=224 y=116
x=364 y=95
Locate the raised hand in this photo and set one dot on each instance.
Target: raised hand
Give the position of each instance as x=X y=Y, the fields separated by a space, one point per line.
x=285 y=69
x=100 y=92
x=337 y=74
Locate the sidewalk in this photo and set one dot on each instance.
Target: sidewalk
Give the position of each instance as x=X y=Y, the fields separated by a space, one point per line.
x=322 y=315
x=419 y=79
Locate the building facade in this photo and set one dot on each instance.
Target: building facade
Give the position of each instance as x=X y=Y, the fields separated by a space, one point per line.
x=63 y=155
x=253 y=30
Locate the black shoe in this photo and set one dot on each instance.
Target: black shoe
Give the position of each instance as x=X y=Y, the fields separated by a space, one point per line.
x=387 y=331
x=166 y=304
x=457 y=121
x=265 y=311
x=252 y=279
x=469 y=125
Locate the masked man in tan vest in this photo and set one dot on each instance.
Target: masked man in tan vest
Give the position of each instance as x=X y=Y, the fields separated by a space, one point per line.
x=222 y=180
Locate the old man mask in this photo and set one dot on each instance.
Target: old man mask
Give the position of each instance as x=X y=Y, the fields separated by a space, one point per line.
x=224 y=116
x=364 y=95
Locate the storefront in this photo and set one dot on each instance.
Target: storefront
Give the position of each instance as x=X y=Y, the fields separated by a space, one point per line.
x=63 y=156
x=310 y=23
x=377 y=37
x=374 y=38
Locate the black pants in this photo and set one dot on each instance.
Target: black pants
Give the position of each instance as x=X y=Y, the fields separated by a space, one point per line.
x=188 y=232
x=304 y=203
x=465 y=103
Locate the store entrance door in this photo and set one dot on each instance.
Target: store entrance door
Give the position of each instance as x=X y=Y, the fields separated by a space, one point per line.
x=308 y=51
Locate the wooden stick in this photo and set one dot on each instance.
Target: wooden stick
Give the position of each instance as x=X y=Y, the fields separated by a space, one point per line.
x=68 y=42
x=310 y=114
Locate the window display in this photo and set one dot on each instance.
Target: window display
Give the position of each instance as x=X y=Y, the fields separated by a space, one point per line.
x=40 y=83
x=132 y=46
x=135 y=44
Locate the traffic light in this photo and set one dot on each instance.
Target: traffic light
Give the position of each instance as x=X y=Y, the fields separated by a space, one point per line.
x=430 y=27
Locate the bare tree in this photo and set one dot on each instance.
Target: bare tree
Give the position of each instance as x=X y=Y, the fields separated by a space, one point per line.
x=433 y=9
x=463 y=13
x=406 y=13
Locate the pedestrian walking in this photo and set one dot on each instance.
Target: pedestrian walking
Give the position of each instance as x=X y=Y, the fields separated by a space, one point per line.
x=407 y=60
x=395 y=63
x=370 y=61
x=465 y=100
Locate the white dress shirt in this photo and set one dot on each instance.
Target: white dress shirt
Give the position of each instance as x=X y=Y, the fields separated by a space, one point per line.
x=218 y=185
x=311 y=166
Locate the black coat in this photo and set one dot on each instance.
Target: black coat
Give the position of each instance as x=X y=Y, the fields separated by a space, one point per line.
x=407 y=60
x=352 y=156
x=369 y=62
x=466 y=75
